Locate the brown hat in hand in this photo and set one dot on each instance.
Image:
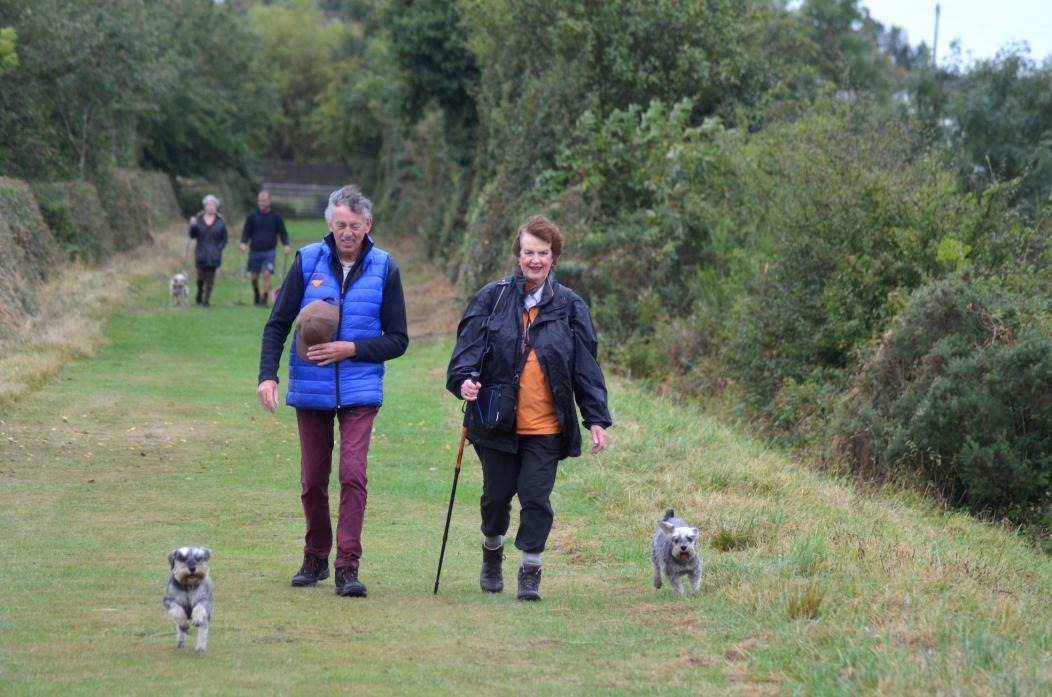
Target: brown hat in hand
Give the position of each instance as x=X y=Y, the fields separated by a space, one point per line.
x=316 y=324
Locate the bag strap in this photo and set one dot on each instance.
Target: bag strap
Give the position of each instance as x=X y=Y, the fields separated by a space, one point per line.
x=504 y=283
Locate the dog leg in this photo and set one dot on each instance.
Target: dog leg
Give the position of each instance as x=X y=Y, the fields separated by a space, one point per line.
x=695 y=582
x=676 y=584
x=178 y=616
x=200 y=620
x=657 y=572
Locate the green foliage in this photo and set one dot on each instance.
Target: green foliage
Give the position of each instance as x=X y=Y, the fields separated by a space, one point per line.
x=993 y=118
x=300 y=55
x=89 y=74
x=568 y=58
x=8 y=52
x=853 y=219
x=958 y=392
x=849 y=45
x=176 y=85
x=428 y=41
x=218 y=102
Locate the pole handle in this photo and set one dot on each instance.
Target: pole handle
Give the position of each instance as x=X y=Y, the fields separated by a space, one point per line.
x=460 y=450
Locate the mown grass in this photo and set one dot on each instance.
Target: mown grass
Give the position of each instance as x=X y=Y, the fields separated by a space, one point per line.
x=811 y=587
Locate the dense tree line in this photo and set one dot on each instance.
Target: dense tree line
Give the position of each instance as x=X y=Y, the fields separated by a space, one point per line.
x=761 y=197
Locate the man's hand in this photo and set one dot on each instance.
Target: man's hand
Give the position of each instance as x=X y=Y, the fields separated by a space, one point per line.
x=288 y=249
x=242 y=246
x=331 y=352
x=267 y=394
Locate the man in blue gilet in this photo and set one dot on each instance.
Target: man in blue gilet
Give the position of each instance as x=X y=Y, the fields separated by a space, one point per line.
x=337 y=378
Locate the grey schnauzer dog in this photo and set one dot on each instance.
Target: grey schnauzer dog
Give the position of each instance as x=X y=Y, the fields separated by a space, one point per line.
x=674 y=551
x=179 y=290
x=188 y=598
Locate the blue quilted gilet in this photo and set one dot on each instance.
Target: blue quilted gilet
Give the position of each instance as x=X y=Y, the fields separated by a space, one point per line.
x=349 y=383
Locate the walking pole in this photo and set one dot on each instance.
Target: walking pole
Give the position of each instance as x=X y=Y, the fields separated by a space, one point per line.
x=452 y=496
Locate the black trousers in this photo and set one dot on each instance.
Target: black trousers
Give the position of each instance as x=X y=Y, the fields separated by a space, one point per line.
x=530 y=473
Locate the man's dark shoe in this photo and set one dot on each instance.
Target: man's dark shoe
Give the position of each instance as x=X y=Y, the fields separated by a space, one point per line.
x=492 y=578
x=347 y=583
x=529 y=582
x=255 y=294
x=314 y=569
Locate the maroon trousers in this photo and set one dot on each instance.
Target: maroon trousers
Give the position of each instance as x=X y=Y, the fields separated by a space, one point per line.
x=316 y=443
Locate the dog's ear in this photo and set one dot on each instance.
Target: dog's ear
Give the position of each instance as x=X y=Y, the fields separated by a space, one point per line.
x=207 y=554
x=171 y=559
x=667 y=527
x=694 y=531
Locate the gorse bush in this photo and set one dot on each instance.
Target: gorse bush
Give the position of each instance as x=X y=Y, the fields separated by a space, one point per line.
x=958 y=393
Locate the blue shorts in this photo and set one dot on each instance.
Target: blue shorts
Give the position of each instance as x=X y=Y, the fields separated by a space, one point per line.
x=261 y=260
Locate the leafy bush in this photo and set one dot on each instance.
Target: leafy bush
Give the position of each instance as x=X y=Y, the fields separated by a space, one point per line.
x=958 y=394
x=34 y=248
x=73 y=212
x=137 y=203
x=28 y=253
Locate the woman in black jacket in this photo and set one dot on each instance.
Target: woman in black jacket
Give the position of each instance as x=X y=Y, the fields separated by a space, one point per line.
x=525 y=361
x=210 y=232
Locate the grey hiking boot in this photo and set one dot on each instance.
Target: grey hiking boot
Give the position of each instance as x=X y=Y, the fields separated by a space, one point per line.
x=492 y=578
x=314 y=569
x=347 y=583
x=529 y=582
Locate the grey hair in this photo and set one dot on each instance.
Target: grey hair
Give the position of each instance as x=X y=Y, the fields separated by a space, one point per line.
x=351 y=197
x=210 y=199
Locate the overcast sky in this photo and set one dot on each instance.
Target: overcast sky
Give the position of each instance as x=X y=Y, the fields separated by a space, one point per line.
x=982 y=26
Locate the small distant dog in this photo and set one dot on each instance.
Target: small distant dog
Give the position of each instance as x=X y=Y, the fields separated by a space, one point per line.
x=188 y=598
x=179 y=291
x=674 y=552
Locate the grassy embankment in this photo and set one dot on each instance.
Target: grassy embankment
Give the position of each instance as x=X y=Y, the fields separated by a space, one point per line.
x=156 y=441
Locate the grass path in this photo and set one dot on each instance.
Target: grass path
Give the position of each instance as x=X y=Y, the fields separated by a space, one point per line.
x=156 y=442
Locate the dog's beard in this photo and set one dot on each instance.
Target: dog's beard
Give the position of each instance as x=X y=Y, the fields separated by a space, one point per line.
x=186 y=577
x=683 y=555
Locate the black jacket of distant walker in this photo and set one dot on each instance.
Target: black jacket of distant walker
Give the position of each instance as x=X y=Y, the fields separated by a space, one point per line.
x=391 y=343
x=210 y=241
x=262 y=230
x=563 y=338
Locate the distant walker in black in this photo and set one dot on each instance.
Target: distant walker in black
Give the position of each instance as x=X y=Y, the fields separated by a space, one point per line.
x=260 y=236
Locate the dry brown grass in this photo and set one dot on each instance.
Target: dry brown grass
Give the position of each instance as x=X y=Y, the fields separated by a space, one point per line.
x=71 y=311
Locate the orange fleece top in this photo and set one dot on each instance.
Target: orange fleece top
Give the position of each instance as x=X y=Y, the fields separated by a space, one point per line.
x=536 y=408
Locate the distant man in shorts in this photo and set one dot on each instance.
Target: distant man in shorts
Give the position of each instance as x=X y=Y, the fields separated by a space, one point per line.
x=260 y=236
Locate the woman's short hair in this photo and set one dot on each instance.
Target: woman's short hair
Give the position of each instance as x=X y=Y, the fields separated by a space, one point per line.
x=543 y=229
x=210 y=199
x=351 y=197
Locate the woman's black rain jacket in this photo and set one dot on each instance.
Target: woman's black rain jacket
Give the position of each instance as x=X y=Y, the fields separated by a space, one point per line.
x=563 y=338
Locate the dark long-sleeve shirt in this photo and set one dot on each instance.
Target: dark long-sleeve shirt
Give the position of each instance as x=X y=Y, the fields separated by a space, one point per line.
x=263 y=230
x=394 y=336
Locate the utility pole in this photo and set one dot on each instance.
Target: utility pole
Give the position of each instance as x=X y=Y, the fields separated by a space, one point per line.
x=935 y=43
